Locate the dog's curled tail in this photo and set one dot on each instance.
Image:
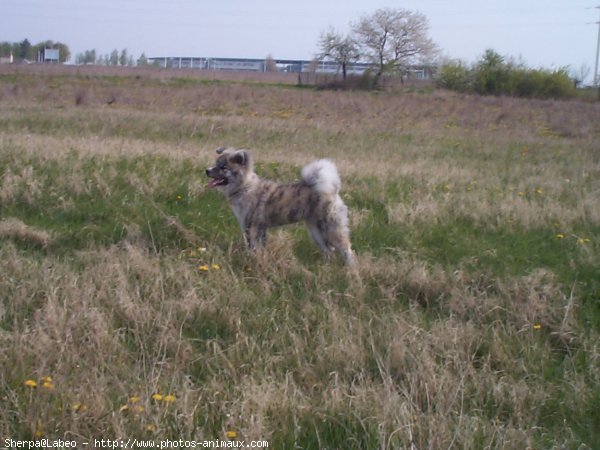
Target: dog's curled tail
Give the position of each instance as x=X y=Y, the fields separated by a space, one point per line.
x=323 y=176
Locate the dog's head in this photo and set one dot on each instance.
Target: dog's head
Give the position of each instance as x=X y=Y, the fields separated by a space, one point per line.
x=231 y=169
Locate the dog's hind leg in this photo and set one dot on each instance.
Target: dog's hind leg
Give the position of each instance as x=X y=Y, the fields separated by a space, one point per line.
x=329 y=239
x=340 y=240
x=319 y=238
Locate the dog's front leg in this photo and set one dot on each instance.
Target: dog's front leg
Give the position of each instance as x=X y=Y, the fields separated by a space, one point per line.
x=247 y=237
x=255 y=236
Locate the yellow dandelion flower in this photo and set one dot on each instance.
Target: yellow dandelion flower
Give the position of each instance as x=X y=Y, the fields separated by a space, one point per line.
x=202 y=249
x=30 y=383
x=48 y=385
x=157 y=397
x=47 y=380
x=150 y=428
x=169 y=398
x=539 y=191
x=521 y=194
x=537 y=326
x=203 y=268
x=231 y=434
x=179 y=197
x=38 y=434
x=216 y=267
x=138 y=409
x=79 y=407
x=560 y=236
x=134 y=399
x=583 y=240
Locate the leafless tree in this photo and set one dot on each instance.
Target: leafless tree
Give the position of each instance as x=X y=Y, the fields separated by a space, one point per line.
x=339 y=48
x=270 y=64
x=580 y=75
x=394 y=38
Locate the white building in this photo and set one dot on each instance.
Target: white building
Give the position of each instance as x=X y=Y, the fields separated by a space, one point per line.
x=7 y=59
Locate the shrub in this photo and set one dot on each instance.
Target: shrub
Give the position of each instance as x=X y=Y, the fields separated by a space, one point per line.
x=524 y=83
x=493 y=76
x=558 y=84
x=456 y=76
x=541 y=83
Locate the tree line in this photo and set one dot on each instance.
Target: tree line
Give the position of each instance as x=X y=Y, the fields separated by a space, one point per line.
x=391 y=40
x=493 y=74
x=115 y=58
x=26 y=51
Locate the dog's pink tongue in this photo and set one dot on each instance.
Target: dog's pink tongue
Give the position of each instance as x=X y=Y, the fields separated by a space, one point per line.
x=213 y=183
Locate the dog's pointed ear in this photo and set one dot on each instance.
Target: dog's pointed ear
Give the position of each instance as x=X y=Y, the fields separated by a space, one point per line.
x=241 y=157
x=220 y=150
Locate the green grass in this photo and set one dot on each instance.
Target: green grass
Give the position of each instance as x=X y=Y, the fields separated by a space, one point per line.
x=472 y=319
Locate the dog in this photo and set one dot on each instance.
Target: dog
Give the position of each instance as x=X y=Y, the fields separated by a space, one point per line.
x=260 y=204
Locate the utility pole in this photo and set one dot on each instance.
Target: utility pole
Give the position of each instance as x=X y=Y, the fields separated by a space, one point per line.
x=596 y=77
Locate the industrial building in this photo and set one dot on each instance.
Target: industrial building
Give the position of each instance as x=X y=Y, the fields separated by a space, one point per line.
x=283 y=65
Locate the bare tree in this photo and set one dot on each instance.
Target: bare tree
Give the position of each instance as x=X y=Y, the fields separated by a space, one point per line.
x=394 y=38
x=579 y=76
x=270 y=64
x=339 y=48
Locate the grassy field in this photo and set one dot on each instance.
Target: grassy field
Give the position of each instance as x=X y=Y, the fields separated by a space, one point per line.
x=130 y=308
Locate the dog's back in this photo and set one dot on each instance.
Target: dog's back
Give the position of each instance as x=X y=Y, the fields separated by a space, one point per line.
x=311 y=199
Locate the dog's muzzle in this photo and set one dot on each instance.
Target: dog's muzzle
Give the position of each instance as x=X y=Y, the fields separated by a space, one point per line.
x=217 y=179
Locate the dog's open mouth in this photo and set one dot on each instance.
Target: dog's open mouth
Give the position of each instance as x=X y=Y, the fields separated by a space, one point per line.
x=217 y=182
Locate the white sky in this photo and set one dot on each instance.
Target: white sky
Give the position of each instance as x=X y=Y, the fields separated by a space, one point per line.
x=543 y=33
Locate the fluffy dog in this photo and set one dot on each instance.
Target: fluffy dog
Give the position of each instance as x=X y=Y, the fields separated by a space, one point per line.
x=260 y=204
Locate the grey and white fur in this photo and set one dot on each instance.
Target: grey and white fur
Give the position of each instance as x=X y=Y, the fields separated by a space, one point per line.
x=260 y=204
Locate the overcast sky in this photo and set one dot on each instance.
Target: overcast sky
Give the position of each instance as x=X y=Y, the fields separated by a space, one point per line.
x=543 y=33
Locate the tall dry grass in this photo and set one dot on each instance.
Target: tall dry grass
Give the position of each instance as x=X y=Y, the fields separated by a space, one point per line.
x=473 y=323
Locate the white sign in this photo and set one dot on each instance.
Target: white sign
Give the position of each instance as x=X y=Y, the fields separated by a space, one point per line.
x=51 y=55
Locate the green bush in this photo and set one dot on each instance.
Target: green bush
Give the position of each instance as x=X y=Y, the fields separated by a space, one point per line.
x=491 y=75
x=558 y=84
x=541 y=83
x=456 y=76
x=524 y=83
